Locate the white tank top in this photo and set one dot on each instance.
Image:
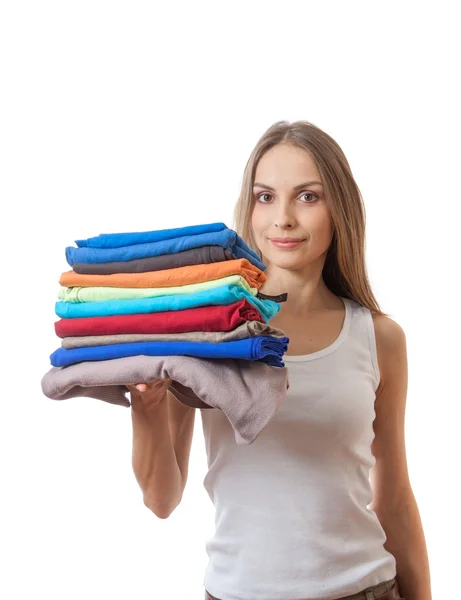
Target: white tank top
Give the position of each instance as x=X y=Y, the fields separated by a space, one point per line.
x=292 y=519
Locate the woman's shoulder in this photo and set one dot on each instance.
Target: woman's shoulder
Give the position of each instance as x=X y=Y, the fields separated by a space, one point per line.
x=390 y=340
x=386 y=328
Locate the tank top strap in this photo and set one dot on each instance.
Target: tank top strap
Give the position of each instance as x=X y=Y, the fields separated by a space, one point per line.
x=362 y=330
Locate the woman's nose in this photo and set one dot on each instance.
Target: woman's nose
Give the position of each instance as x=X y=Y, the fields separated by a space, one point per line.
x=284 y=219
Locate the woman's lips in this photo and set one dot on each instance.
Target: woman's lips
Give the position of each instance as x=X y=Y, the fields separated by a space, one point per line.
x=286 y=244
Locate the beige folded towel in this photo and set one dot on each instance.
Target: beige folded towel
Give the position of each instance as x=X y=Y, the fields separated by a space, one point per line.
x=248 y=392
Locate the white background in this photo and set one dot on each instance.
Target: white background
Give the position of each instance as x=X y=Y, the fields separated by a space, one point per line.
x=130 y=116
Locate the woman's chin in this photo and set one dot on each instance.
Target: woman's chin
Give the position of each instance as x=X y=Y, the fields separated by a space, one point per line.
x=285 y=261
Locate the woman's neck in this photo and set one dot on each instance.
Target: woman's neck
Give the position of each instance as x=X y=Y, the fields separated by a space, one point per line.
x=306 y=292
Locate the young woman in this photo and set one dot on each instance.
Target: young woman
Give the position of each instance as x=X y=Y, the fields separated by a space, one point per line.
x=320 y=506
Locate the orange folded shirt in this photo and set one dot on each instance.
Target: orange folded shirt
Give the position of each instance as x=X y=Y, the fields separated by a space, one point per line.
x=169 y=277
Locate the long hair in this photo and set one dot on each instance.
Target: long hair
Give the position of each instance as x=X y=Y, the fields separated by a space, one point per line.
x=344 y=271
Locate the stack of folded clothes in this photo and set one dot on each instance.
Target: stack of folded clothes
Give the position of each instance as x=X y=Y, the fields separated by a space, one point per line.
x=182 y=304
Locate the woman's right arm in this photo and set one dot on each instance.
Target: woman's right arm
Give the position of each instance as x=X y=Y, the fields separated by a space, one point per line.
x=162 y=438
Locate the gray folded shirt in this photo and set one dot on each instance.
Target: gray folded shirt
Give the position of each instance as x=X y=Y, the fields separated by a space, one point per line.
x=195 y=256
x=248 y=392
x=243 y=331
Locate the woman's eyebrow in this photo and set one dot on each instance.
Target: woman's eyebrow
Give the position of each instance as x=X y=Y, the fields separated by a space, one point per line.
x=296 y=187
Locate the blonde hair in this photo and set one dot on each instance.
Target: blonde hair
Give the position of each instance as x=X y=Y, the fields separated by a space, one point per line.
x=344 y=271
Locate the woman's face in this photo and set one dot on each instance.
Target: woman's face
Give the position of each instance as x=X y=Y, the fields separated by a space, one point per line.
x=288 y=205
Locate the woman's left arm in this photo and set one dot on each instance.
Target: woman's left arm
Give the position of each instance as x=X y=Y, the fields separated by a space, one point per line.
x=393 y=499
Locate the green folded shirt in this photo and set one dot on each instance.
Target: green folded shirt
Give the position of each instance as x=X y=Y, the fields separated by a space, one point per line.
x=102 y=294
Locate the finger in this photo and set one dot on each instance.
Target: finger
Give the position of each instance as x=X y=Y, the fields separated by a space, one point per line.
x=142 y=387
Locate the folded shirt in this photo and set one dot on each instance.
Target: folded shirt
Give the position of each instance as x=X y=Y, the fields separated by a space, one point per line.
x=245 y=330
x=179 y=276
x=264 y=348
x=204 y=318
x=226 y=294
x=226 y=238
x=103 y=294
x=258 y=389
x=117 y=240
x=195 y=256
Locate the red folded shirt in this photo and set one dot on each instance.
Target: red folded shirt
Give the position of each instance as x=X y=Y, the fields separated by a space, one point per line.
x=203 y=318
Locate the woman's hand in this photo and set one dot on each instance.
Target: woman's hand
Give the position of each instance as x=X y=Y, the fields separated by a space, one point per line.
x=147 y=395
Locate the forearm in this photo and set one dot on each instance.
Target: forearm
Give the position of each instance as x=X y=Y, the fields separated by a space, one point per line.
x=406 y=541
x=154 y=459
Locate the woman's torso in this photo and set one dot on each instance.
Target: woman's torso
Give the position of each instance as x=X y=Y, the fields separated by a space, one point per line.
x=292 y=516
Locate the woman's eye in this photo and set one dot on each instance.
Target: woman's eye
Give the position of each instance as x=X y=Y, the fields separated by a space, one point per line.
x=263 y=194
x=310 y=194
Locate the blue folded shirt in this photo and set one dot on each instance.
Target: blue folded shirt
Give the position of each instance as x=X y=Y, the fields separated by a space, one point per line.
x=267 y=349
x=222 y=295
x=118 y=240
x=226 y=238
